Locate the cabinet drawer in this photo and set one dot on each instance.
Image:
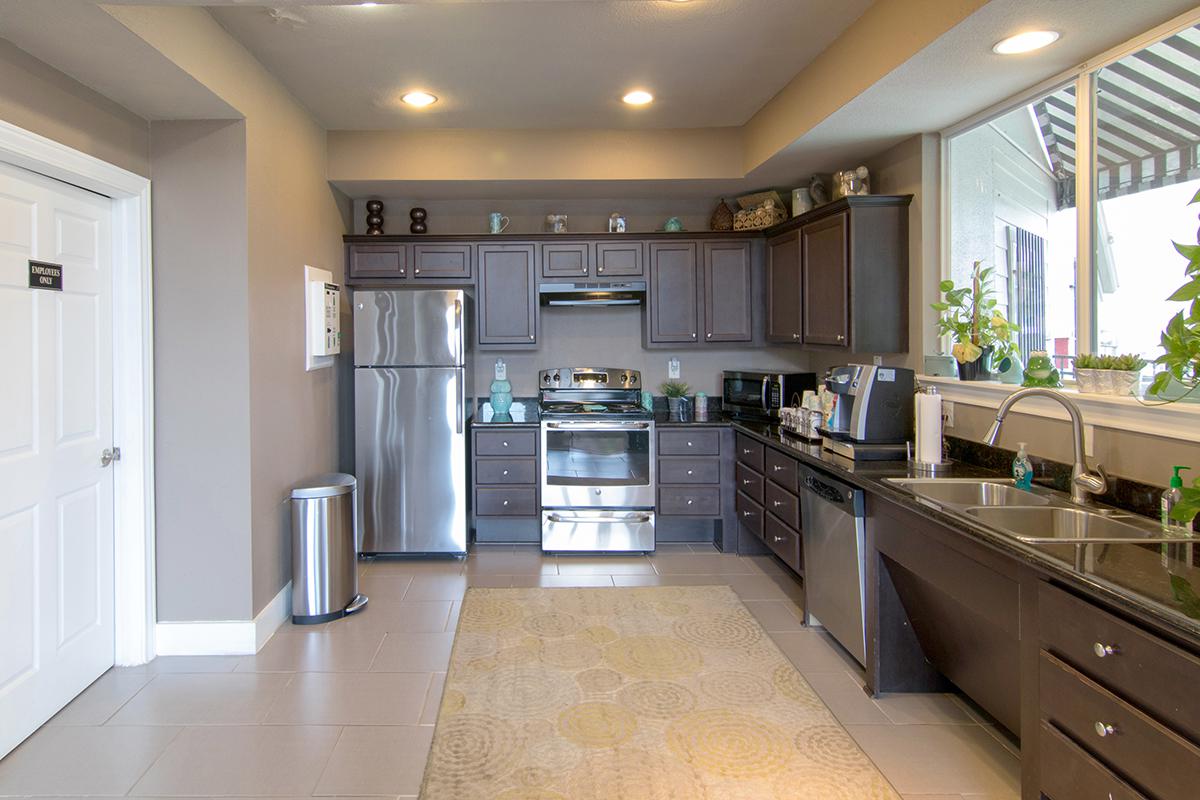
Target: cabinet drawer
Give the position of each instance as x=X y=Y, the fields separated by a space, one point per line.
x=750 y=452
x=618 y=258
x=682 y=442
x=750 y=514
x=1069 y=773
x=782 y=504
x=783 y=540
x=780 y=468
x=378 y=260
x=442 y=261
x=505 y=470
x=749 y=482
x=514 y=502
x=689 y=470
x=566 y=260
x=1145 y=670
x=1117 y=734
x=679 y=501
x=506 y=443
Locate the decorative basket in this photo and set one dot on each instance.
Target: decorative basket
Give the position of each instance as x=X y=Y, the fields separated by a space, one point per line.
x=755 y=219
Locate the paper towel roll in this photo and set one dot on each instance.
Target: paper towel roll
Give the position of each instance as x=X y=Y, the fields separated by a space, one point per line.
x=929 y=428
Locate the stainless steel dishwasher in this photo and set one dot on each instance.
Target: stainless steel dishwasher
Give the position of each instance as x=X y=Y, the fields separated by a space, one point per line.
x=834 y=538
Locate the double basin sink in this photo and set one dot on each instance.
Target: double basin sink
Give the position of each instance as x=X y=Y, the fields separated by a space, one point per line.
x=1040 y=516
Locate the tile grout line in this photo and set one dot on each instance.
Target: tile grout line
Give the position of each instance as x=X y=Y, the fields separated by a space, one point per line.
x=179 y=732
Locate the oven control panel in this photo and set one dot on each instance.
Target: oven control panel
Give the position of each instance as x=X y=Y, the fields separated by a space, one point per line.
x=589 y=378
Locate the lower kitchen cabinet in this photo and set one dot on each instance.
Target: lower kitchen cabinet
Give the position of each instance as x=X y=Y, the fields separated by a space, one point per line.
x=768 y=505
x=507 y=303
x=696 y=484
x=504 y=484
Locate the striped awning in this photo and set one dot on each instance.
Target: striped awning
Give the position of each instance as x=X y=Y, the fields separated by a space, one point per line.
x=1147 y=122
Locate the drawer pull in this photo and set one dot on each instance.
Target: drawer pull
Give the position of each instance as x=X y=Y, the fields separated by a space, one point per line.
x=1104 y=729
x=1105 y=650
x=776 y=503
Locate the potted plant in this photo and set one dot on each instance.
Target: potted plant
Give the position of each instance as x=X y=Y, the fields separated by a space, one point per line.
x=675 y=392
x=1180 y=340
x=1086 y=366
x=1104 y=378
x=982 y=336
x=1126 y=373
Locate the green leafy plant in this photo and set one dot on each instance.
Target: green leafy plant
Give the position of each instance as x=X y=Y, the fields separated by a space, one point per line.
x=1106 y=362
x=1129 y=362
x=968 y=315
x=675 y=389
x=1086 y=361
x=1181 y=353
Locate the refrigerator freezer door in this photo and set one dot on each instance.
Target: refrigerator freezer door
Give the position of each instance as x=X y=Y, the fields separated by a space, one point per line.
x=409 y=328
x=411 y=454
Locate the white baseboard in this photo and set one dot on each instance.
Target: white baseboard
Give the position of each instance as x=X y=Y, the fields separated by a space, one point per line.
x=236 y=637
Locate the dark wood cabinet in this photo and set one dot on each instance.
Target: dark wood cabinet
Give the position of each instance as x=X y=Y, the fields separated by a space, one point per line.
x=674 y=289
x=619 y=259
x=783 y=289
x=377 y=261
x=507 y=304
x=504 y=482
x=568 y=261
x=728 y=292
x=825 y=287
x=442 y=262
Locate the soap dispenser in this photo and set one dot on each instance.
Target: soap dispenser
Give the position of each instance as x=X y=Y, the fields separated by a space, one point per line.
x=1170 y=497
x=1022 y=469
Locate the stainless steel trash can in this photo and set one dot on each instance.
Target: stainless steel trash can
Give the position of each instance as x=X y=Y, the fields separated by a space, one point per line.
x=324 y=549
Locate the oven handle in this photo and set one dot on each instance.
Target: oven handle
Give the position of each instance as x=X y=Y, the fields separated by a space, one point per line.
x=553 y=517
x=766 y=382
x=599 y=426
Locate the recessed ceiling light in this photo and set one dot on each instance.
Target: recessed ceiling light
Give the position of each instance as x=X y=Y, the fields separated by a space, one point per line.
x=1025 y=42
x=419 y=99
x=638 y=97
x=367 y=5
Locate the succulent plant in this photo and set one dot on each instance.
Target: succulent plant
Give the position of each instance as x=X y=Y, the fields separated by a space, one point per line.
x=1086 y=361
x=1129 y=362
x=675 y=389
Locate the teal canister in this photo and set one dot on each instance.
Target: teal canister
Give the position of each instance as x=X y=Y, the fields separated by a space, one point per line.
x=501 y=398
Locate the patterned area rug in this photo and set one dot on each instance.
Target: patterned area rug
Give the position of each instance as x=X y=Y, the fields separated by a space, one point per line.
x=662 y=693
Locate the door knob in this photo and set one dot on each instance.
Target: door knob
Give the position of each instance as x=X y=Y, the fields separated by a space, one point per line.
x=109 y=456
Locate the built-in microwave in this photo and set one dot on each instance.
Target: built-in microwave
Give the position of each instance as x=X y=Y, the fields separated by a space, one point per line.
x=760 y=395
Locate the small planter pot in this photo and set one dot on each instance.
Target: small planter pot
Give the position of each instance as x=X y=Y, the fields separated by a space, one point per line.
x=1125 y=382
x=1104 y=381
x=978 y=370
x=1086 y=380
x=673 y=404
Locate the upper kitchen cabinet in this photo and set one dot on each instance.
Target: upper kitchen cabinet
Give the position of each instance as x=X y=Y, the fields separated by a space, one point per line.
x=506 y=302
x=442 y=261
x=619 y=259
x=568 y=261
x=728 y=292
x=783 y=288
x=672 y=303
x=425 y=261
x=838 y=276
x=376 y=261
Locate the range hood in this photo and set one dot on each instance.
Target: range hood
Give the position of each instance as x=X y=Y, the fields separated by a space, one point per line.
x=621 y=293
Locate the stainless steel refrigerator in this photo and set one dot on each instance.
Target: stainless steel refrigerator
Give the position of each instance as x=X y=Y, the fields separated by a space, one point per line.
x=411 y=403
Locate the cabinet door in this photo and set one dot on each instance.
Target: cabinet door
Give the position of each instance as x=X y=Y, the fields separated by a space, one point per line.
x=674 y=292
x=826 y=294
x=442 y=261
x=618 y=259
x=567 y=260
x=507 y=303
x=378 y=261
x=783 y=289
x=728 y=300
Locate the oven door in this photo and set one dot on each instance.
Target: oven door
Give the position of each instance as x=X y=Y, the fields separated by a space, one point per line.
x=597 y=464
x=747 y=394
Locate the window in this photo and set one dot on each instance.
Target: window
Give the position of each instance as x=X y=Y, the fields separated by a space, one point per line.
x=1113 y=150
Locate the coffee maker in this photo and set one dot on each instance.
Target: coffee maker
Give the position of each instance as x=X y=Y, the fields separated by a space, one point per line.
x=872 y=417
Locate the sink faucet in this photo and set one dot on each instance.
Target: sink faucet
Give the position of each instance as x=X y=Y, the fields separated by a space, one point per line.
x=1084 y=482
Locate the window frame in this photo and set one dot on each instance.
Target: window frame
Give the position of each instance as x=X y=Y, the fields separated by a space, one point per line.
x=1084 y=78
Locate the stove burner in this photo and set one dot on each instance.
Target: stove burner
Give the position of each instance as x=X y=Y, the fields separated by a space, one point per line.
x=599 y=407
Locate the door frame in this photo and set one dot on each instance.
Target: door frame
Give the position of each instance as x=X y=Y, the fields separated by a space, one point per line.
x=133 y=374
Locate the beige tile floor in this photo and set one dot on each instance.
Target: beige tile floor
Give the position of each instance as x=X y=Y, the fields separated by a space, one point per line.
x=347 y=709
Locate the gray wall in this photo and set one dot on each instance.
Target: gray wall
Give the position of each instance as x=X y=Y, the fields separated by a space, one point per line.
x=41 y=99
x=202 y=371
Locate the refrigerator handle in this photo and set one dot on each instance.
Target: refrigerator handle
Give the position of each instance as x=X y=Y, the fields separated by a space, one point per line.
x=459 y=333
x=460 y=385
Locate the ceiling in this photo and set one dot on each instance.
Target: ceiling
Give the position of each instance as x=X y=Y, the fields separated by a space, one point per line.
x=531 y=64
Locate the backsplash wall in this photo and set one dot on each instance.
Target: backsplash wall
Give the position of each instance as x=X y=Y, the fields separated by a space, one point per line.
x=611 y=336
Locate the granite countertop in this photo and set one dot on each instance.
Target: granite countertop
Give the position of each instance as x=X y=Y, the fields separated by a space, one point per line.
x=524 y=411
x=1137 y=578
x=662 y=419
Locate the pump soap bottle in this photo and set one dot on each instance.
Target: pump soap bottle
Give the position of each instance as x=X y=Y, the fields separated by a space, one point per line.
x=1022 y=469
x=1169 y=498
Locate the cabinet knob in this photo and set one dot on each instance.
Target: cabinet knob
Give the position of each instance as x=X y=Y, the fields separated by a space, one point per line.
x=745 y=481
x=777 y=539
x=505 y=503
x=1104 y=729
x=776 y=467
x=747 y=514
x=417 y=271
x=693 y=336
x=689 y=444
x=584 y=270
x=795 y=336
x=505 y=472
x=504 y=443
x=531 y=337
x=600 y=269
x=708 y=336
x=1104 y=650
x=689 y=502
x=745 y=451
x=689 y=472
x=776 y=503
x=841 y=338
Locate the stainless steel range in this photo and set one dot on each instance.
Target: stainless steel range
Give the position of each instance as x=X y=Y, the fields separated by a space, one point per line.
x=598 y=481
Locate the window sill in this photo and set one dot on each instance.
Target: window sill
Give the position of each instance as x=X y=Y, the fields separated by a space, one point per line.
x=1172 y=420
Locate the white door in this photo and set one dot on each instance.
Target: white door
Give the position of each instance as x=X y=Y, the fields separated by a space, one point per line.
x=56 y=419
